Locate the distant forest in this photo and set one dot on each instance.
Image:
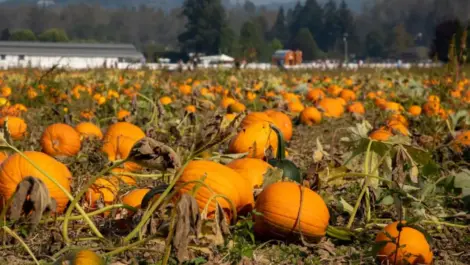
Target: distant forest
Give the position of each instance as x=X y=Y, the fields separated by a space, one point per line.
x=383 y=30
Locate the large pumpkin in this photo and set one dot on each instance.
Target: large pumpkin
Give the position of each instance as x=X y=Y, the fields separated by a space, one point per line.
x=310 y=116
x=252 y=169
x=256 y=117
x=254 y=140
x=281 y=208
x=222 y=180
x=332 y=107
x=16 y=168
x=119 y=140
x=413 y=246
x=89 y=130
x=82 y=257
x=16 y=127
x=282 y=121
x=60 y=139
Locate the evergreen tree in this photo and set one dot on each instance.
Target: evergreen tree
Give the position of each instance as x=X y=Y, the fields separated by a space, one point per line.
x=205 y=26
x=251 y=40
x=305 y=42
x=331 y=30
x=54 y=35
x=375 y=44
x=312 y=17
x=400 y=41
x=347 y=26
x=279 y=30
x=294 y=21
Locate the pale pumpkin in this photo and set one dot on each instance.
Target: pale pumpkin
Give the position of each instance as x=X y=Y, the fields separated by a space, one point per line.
x=281 y=208
x=16 y=168
x=60 y=139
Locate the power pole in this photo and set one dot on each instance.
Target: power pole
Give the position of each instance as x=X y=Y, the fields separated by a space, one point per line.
x=345 y=40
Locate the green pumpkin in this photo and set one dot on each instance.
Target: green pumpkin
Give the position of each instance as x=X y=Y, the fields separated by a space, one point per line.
x=290 y=170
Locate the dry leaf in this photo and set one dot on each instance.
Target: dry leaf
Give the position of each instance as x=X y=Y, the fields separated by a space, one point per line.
x=154 y=154
x=414 y=174
x=272 y=175
x=39 y=200
x=188 y=223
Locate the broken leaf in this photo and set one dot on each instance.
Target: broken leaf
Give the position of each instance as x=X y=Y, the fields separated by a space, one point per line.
x=154 y=154
x=272 y=175
x=188 y=224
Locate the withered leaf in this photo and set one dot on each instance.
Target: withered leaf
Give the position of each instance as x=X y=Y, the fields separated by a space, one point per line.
x=39 y=200
x=272 y=175
x=188 y=223
x=153 y=154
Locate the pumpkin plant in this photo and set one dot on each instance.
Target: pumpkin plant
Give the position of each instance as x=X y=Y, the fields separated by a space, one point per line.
x=290 y=170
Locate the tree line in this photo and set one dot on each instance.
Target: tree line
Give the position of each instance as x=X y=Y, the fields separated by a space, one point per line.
x=384 y=29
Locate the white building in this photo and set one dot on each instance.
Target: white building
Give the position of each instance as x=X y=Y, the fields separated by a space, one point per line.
x=22 y=54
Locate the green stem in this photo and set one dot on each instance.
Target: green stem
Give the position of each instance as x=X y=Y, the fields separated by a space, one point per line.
x=281 y=153
x=65 y=191
x=155 y=108
x=77 y=198
x=97 y=212
x=155 y=205
x=364 y=188
x=167 y=251
x=130 y=246
x=354 y=174
x=25 y=246
x=130 y=174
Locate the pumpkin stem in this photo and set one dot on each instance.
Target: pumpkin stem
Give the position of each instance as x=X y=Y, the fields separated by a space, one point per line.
x=281 y=144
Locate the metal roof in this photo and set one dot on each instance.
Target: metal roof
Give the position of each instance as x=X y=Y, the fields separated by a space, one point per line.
x=68 y=49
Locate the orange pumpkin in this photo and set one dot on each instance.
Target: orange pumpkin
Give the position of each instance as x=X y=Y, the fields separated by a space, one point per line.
x=89 y=130
x=254 y=139
x=122 y=178
x=315 y=95
x=101 y=189
x=252 y=169
x=413 y=246
x=82 y=257
x=295 y=106
x=280 y=207
x=381 y=134
x=310 y=116
x=16 y=168
x=190 y=109
x=332 y=107
x=134 y=197
x=414 y=110
x=226 y=101
x=232 y=185
x=165 y=100
x=123 y=114
x=60 y=139
x=236 y=107
x=16 y=127
x=357 y=108
x=393 y=107
x=3 y=157
x=398 y=127
x=118 y=142
x=256 y=117
x=461 y=141
x=282 y=121
x=348 y=95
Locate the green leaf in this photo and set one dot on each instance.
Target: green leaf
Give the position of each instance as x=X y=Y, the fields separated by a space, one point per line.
x=418 y=155
x=462 y=179
x=430 y=169
x=387 y=200
x=346 y=206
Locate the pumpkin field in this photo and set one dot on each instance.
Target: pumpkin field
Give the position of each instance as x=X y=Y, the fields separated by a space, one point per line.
x=234 y=167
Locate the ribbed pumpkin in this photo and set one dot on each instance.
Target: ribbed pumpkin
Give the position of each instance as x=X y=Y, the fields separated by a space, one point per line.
x=16 y=127
x=282 y=121
x=101 y=189
x=315 y=94
x=89 y=130
x=413 y=246
x=254 y=140
x=348 y=95
x=310 y=116
x=295 y=106
x=222 y=180
x=16 y=168
x=252 y=169
x=82 y=257
x=134 y=197
x=332 y=107
x=3 y=157
x=357 y=108
x=60 y=139
x=280 y=207
x=381 y=134
x=256 y=117
x=118 y=142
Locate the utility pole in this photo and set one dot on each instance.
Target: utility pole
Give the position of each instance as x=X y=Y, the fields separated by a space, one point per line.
x=345 y=40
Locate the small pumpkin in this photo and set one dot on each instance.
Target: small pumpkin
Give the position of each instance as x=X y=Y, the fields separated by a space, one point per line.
x=357 y=108
x=348 y=95
x=254 y=139
x=165 y=100
x=82 y=257
x=381 y=134
x=310 y=116
x=284 y=212
x=315 y=94
x=16 y=168
x=119 y=140
x=414 y=110
x=252 y=169
x=295 y=106
x=16 y=127
x=101 y=189
x=413 y=248
x=60 y=139
x=236 y=107
x=134 y=197
x=282 y=121
x=89 y=130
x=290 y=170
x=461 y=141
